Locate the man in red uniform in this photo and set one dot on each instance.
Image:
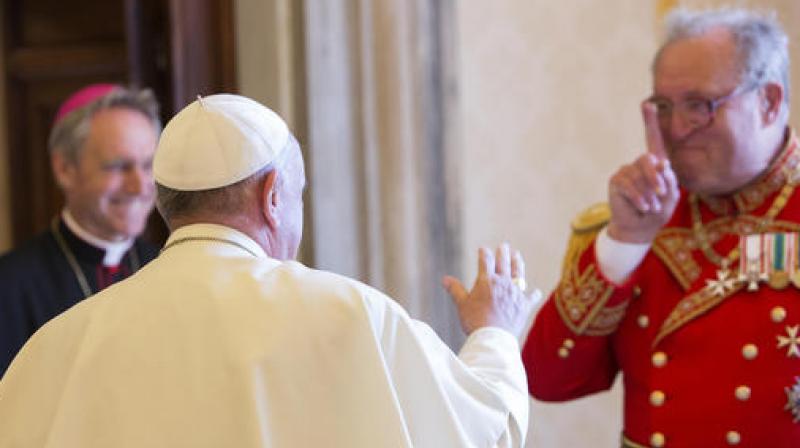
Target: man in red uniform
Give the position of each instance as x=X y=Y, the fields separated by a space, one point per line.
x=687 y=280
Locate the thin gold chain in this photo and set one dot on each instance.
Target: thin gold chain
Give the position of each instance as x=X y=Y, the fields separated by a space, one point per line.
x=73 y=262
x=700 y=233
x=208 y=238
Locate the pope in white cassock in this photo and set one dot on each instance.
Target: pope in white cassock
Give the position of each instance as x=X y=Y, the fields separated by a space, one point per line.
x=223 y=341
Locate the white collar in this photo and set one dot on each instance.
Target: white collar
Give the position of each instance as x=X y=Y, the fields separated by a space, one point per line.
x=114 y=250
x=216 y=232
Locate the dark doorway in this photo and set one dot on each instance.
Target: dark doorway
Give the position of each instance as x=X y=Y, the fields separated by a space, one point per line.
x=179 y=48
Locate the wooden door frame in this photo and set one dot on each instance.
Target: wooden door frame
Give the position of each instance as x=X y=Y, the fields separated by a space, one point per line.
x=200 y=59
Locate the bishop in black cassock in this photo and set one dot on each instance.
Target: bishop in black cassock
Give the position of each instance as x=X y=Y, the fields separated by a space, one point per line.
x=101 y=152
x=38 y=281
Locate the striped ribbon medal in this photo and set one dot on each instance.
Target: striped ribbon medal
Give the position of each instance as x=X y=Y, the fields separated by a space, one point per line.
x=771 y=258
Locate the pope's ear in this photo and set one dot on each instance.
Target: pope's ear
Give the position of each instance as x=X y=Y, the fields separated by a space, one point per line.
x=64 y=170
x=270 y=199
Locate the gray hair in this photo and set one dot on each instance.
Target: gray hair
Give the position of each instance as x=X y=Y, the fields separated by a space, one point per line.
x=228 y=200
x=70 y=133
x=760 y=41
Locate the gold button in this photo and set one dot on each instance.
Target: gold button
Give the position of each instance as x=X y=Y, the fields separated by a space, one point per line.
x=569 y=343
x=778 y=314
x=750 y=351
x=637 y=291
x=657 y=440
x=563 y=352
x=733 y=438
x=643 y=321
x=743 y=393
x=659 y=359
x=657 y=398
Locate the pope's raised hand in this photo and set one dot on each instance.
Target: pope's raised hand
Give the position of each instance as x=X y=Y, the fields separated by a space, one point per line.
x=497 y=298
x=643 y=194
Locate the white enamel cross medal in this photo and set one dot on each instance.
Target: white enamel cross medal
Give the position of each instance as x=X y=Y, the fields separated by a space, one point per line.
x=724 y=282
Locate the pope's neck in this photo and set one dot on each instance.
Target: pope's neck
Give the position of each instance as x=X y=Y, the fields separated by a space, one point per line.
x=242 y=224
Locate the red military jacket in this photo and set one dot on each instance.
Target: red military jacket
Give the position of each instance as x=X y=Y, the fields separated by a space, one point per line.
x=706 y=361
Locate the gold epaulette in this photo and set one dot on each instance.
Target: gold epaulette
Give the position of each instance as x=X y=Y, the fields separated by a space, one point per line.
x=585 y=228
x=592 y=219
x=581 y=295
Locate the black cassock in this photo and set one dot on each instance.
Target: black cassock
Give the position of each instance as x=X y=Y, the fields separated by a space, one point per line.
x=37 y=282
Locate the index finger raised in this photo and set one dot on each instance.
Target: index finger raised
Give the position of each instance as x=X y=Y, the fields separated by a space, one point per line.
x=652 y=130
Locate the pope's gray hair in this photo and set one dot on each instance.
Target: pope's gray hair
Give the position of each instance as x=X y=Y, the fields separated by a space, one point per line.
x=760 y=41
x=70 y=133
x=228 y=200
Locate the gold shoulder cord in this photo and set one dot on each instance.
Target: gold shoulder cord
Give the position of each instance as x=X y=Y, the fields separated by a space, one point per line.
x=584 y=229
x=73 y=263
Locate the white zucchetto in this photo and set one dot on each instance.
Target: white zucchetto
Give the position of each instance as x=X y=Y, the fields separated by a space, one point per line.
x=217 y=141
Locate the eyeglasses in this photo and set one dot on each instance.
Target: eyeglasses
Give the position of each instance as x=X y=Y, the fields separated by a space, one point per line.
x=696 y=112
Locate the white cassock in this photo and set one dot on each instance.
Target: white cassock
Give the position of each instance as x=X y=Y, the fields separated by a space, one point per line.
x=214 y=344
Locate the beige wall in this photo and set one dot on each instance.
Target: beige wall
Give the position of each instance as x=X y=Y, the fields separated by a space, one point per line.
x=266 y=54
x=550 y=95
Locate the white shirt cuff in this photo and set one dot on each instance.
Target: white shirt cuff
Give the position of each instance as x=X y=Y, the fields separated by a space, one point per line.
x=618 y=260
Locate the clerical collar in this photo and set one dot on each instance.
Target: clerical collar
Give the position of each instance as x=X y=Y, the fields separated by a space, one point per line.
x=754 y=195
x=114 y=250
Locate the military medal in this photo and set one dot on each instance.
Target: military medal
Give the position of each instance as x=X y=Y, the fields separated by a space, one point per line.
x=724 y=283
x=791 y=341
x=751 y=267
x=781 y=255
x=794 y=264
x=763 y=257
x=779 y=280
x=793 y=400
x=778 y=259
x=770 y=258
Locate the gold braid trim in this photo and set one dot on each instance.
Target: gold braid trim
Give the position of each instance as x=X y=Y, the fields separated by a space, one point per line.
x=701 y=301
x=581 y=296
x=691 y=307
x=628 y=443
x=672 y=246
x=607 y=320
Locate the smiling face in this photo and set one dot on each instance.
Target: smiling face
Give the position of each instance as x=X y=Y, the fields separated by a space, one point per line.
x=728 y=153
x=109 y=190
